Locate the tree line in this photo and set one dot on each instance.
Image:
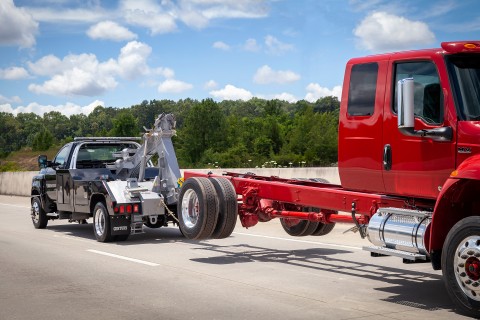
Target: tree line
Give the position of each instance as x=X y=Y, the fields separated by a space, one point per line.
x=251 y=133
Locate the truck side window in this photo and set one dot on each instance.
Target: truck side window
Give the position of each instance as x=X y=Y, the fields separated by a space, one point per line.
x=428 y=97
x=362 y=89
x=62 y=156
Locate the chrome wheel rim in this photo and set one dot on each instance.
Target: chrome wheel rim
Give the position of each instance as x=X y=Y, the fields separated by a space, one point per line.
x=190 y=208
x=35 y=212
x=467 y=267
x=99 y=222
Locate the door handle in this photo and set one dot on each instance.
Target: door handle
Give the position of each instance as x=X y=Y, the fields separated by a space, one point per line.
x=387 y=157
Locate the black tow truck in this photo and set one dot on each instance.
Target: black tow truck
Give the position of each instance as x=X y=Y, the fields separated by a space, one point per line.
x=113 y=181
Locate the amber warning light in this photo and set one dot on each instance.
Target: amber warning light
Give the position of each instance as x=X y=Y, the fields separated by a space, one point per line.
x=461 y=46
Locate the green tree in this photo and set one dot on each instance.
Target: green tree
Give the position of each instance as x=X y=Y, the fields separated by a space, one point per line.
x=10 y=137
x=57 y=124
x=125 y=125
x=205 y=128
x=43 y=140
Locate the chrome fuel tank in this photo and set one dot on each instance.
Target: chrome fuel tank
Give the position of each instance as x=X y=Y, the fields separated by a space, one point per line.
x=400 y=229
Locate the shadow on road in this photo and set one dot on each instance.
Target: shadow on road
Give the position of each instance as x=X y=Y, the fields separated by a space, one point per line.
x=408 y=287
x=411 y=288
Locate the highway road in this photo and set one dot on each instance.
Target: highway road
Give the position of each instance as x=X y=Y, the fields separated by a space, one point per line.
x=260 y=273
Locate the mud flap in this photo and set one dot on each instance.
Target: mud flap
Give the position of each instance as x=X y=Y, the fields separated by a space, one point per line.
x=120 y=225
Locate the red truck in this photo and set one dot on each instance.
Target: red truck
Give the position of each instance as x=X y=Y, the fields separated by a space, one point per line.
x=409 y=165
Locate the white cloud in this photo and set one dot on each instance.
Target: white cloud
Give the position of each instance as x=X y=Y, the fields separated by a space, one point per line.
x=266 y=75
x=381 y=31
x=165 y=72
x=67 y=109
x=109 y=30
x=18 y=26
x=315 y=92
x=198 y=13
x=174 y=86
x=80 y=75
x=14 y=73
x=276 y=47
x=15 y=99
x=132 y=60
x=159 y=18
x=84 y=75
x=55 y=14
x=46 y=66
x=251 y=45
x=230 y=92
x=211 y=84
x=221 y=45
x=286 y=97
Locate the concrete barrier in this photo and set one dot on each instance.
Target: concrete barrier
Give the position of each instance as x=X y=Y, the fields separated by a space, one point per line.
x=19 y=183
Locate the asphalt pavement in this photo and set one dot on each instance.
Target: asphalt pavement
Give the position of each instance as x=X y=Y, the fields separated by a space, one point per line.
x=259 y=273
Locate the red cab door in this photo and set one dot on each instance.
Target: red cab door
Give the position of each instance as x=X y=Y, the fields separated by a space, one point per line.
x=412 y=165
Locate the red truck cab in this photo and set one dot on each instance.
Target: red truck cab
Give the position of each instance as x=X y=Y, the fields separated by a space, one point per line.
x=374 y=156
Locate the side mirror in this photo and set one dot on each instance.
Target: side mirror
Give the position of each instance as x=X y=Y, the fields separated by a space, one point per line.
x=42 y=161
x=405 y=106
x=406 y=115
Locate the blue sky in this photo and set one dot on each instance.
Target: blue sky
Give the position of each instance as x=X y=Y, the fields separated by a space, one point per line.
x=72 y=55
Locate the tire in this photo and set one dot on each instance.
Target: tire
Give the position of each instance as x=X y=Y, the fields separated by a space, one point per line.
x=101 y=223
x=160 y=223
x=39 y=217
x=298 y=228
x=197 y=208
x=227 y=208
x=323 y=229
x=461 y=265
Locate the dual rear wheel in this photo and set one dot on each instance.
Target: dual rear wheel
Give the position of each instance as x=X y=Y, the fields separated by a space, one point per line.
x=207 y=208
x=301 y=228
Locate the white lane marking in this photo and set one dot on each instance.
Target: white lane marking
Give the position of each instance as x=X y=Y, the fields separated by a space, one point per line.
x=151 y=264
x=301 y=241
x=12 y=205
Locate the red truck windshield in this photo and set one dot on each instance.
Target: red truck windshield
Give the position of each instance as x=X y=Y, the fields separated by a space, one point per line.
x=464 y=71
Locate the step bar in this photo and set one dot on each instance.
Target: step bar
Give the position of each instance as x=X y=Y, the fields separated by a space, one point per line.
x=396 y=253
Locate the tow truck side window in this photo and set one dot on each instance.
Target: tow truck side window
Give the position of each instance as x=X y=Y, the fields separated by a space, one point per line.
x=62 y=156
x=428 y=97
x=362 y=89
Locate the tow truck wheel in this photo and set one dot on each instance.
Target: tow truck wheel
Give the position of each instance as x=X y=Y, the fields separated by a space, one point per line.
x=197 y=208
x=39 y=217
x=461 y=265
x=227 y=208
x=101 y=223
x=297 y=227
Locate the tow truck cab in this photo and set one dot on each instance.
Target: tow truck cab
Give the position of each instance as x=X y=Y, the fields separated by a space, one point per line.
x=446 y=126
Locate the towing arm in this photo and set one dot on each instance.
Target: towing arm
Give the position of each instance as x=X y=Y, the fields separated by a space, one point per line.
x=158 y=140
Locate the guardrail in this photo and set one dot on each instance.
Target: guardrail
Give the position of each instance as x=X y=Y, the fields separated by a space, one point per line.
x=19 y=183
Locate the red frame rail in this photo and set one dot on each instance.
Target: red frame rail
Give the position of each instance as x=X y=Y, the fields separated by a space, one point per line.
x=264 y=198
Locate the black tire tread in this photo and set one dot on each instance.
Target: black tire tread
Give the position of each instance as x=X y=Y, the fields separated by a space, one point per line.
x=107 y=235
x=462 y=229
x=303 y=228
x=42 y=215
x=323 y=229
x=208 y=202
x=227 y=208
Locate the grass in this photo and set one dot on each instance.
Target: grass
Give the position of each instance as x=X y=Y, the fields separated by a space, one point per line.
x=25 y=159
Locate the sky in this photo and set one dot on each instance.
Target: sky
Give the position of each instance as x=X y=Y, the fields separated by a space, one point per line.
x=72 y=55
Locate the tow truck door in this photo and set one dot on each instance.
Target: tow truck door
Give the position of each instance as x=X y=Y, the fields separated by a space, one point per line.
x=61 y=163
x=413 y=165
